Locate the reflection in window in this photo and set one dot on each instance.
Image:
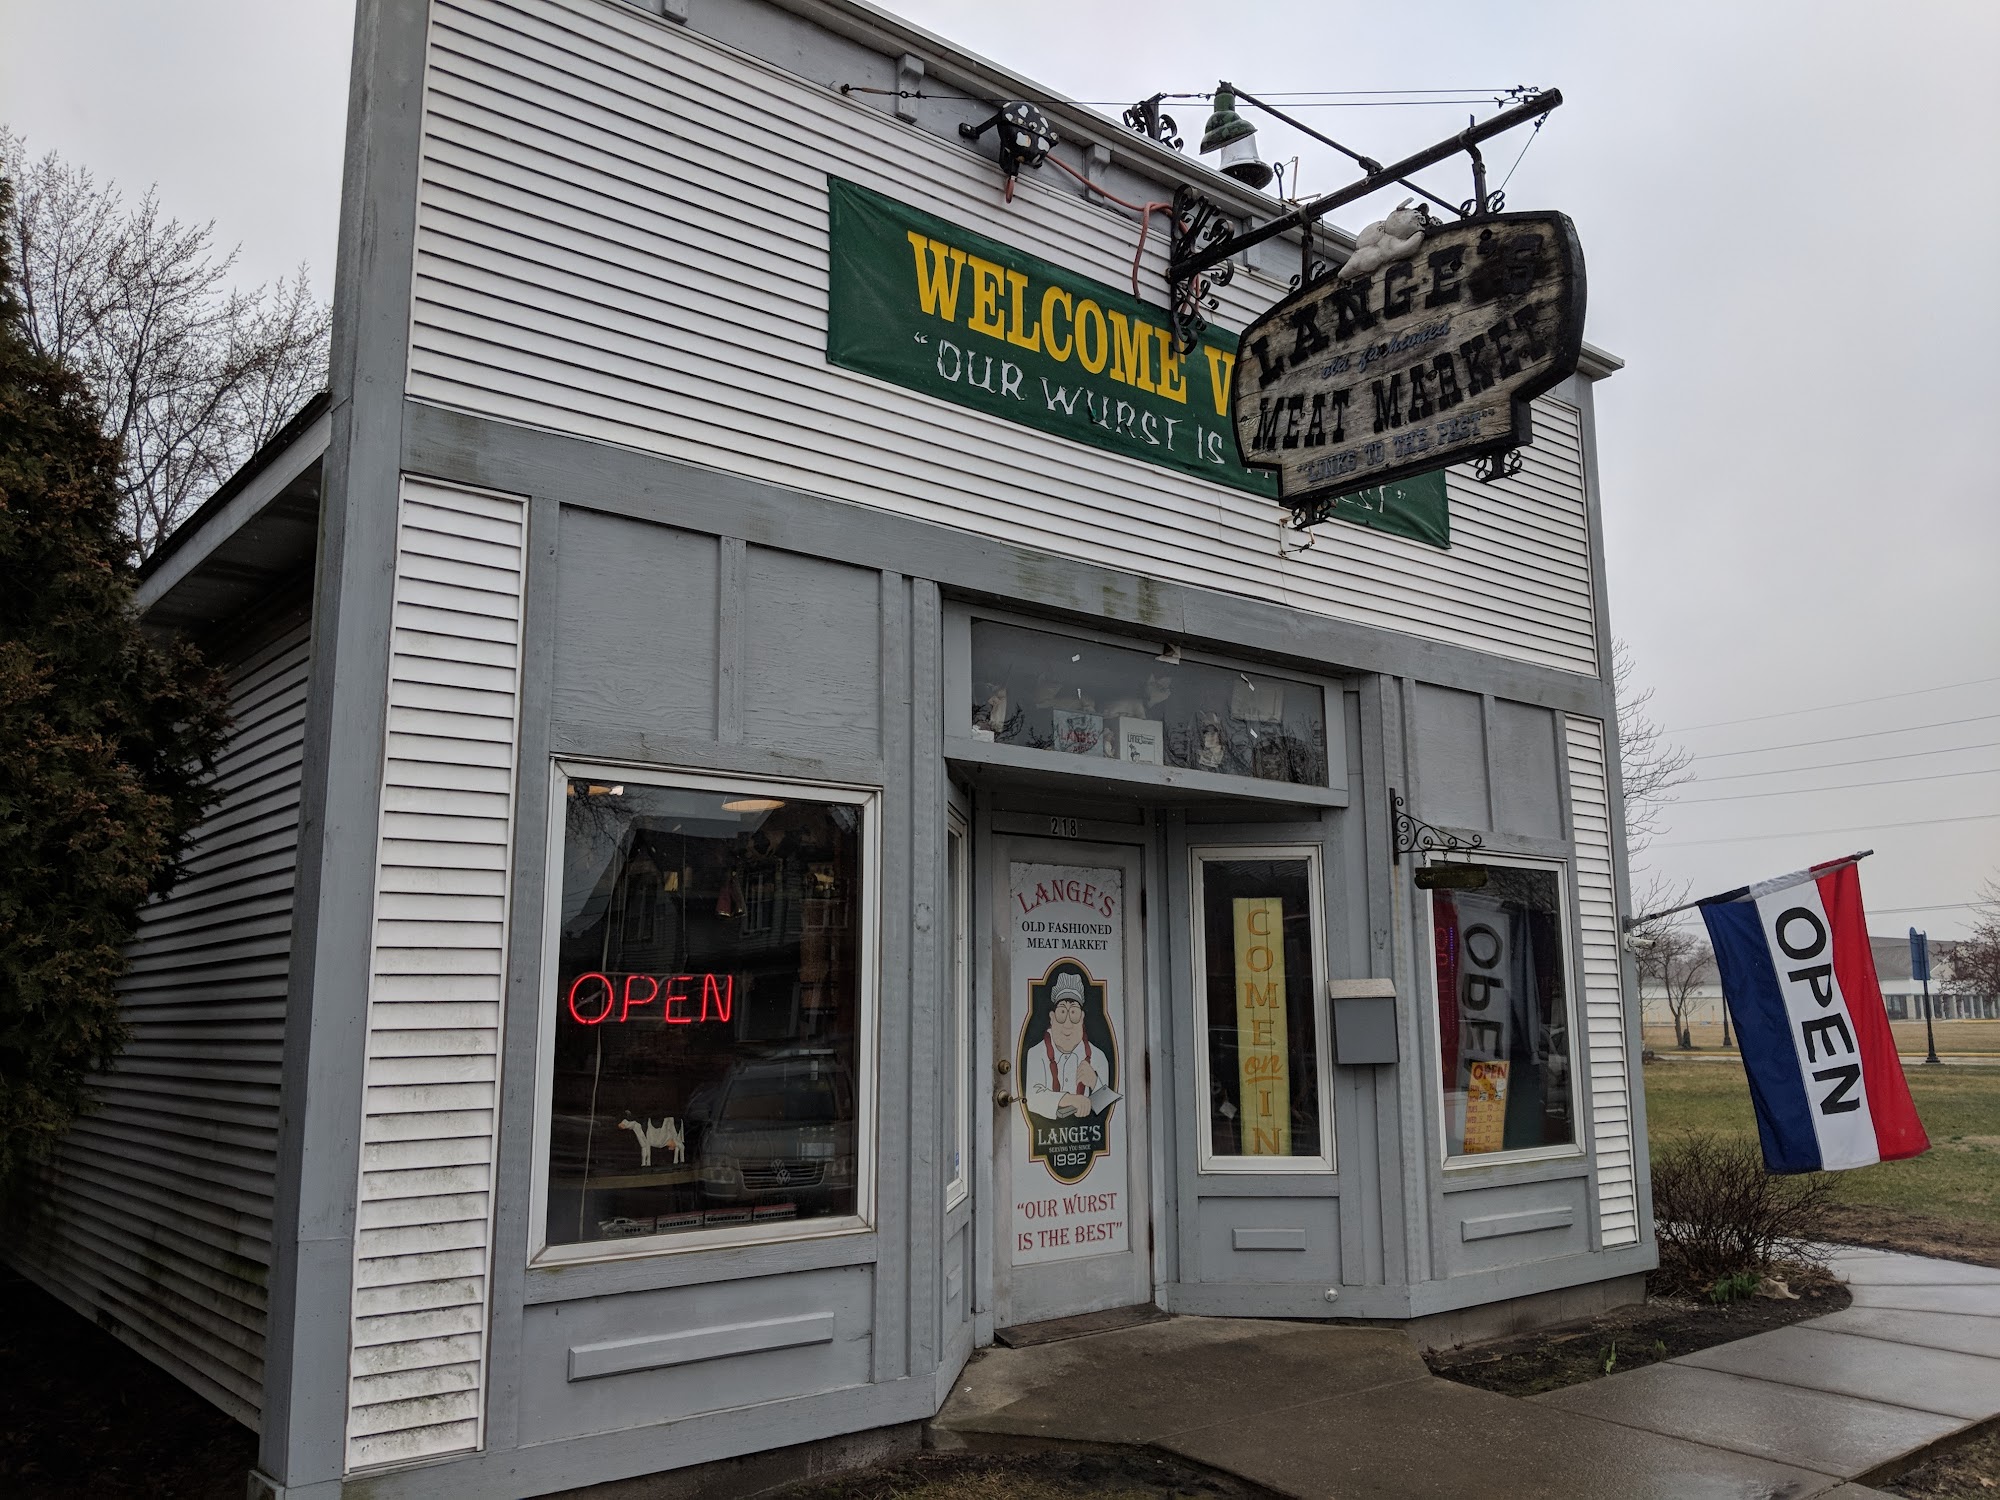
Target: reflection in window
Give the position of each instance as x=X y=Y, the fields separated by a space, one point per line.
x=1261 y=1026
x=1078 y=697
x=707 y=1008
x=1503 y=1014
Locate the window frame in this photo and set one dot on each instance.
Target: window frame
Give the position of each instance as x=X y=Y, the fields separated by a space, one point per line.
x=1578 y=1056
x=958 y=1000
x=1209 y=1162
x=867 y=1003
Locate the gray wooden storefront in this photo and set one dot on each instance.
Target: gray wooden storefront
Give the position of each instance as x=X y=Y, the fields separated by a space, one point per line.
x=548 y=503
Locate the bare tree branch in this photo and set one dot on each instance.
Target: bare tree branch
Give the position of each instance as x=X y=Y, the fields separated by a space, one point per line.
x=1650 y=765
x=1974 y=962
x=191 y=376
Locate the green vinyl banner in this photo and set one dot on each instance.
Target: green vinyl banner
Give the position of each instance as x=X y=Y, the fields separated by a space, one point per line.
x=924 y=304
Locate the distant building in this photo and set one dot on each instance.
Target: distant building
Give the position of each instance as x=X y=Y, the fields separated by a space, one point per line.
x=1902 y=995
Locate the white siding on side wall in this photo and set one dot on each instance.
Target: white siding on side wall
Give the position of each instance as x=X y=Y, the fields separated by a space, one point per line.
x=622 y=234
x=1603 y=987
x=156 y=1215
x=424 y=1221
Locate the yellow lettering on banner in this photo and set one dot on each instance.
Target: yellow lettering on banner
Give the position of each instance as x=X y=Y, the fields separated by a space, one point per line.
x=1017 y=298
x=1221 y=365
x=985 y=314
x=1132 y=360
x=938 y=266
x=1092 y=359
x=1173 y=384
x=1050 y=298
x=1261 y=1057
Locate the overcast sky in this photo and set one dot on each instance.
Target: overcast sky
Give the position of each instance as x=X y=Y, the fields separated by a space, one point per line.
x=1789 y=216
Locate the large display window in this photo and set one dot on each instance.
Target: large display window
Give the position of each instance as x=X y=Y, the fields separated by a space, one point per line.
x=1261 y=1036
x=708 y=1018
x=1077 y=697
x=1505 y=1031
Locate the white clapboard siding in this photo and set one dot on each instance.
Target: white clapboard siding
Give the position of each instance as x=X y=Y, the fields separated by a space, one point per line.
x=424 y=1222
x=622 y=234
x=155 y=1214
x=1603 y=986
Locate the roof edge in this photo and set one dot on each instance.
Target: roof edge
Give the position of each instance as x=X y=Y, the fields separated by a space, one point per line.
x=279 y=442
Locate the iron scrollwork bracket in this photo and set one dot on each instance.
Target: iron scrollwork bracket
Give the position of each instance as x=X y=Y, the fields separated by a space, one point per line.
x=1414 y=836
x=1145 y=117
x=1198 y=225
x=1496 y=466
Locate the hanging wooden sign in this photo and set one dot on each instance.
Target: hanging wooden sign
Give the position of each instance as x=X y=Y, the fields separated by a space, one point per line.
x=1427 y=359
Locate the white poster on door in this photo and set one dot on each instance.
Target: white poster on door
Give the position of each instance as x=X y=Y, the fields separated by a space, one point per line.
x=1067 y=961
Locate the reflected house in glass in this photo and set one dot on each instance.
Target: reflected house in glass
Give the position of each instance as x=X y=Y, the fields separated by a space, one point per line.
x=785 y=818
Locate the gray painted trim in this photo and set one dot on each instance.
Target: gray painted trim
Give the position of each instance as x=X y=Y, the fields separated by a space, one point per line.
x=1532 y=1276
x=1412 y=1143
x=520 y=1030
x=243 y=508
x=930 y=920
x=1493 y=1226
x=732 y=565
x=1569 y=1167
x=600 y=1457
x=658 y=1272
x=1267 y=1239
x=305 y=1420
x=1621 y=874
x=897 y=1120
x=980 y=949
x=1112 y=778
x=459 y=448
x=663 y=1351
x=601 y=742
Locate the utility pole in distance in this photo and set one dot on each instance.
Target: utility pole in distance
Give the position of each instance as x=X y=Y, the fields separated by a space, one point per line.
x=1920 y=968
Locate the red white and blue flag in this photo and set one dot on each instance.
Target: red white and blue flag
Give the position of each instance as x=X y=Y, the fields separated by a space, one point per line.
x=1799 y=978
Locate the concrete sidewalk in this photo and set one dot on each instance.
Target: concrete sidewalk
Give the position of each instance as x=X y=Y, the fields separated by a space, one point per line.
x=1313 y=1411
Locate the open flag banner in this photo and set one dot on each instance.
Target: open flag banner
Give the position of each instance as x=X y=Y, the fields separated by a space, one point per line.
x=1799 y=979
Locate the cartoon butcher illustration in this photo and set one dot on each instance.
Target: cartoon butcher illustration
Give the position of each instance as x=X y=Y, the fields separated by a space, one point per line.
x=1064 y=1071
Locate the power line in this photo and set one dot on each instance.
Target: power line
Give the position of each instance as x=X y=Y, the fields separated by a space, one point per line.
x=1841 y=739
x=1844 y=786
x=1813 y=833
x=1893 y=911
x=1866 y=760
x=1822 y=708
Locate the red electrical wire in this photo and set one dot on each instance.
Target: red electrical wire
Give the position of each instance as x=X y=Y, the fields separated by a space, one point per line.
x=1144 y=211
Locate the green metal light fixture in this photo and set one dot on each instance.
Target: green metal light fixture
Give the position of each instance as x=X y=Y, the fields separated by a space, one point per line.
x=1236 y=138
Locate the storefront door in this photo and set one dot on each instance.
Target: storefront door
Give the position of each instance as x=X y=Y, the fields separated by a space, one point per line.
x=1069 y=1045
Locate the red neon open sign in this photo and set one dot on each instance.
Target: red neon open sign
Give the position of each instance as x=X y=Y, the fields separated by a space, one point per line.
x=594 y=997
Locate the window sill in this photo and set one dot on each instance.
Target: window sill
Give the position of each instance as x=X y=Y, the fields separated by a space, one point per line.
x=658 y=1268
x=1548 y=1164
x=1115 y=776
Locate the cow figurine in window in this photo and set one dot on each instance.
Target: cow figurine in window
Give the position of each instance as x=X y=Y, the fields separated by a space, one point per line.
x=669 y=1133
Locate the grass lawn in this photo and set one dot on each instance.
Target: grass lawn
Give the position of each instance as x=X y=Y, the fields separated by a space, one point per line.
x=1953 y=1037
x=1957 y=1180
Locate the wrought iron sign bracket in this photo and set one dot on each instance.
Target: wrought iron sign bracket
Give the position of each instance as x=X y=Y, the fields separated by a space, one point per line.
x=1203 y=242
x=1492 y=467
x=1414 y=836
x=1199 y=228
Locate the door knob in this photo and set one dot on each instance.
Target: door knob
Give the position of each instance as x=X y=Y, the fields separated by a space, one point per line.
x=1001 y=1098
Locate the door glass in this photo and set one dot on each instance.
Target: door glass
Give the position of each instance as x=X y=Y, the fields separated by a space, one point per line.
x=1261 y=1030
x=1069 y=1158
